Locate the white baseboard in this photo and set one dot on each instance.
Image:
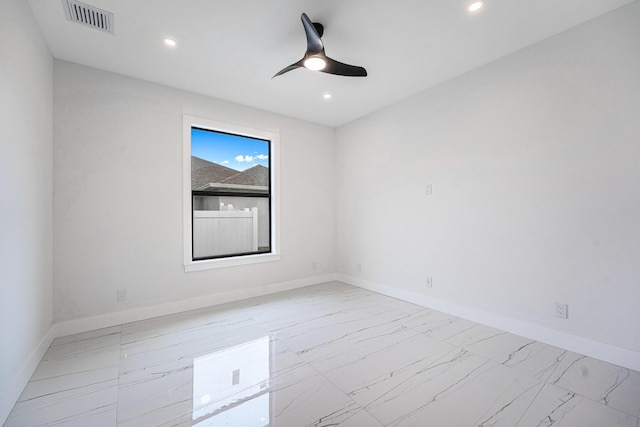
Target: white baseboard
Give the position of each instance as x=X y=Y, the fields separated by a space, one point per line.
x=121 y=317
x=598 y=350
x=11 y=391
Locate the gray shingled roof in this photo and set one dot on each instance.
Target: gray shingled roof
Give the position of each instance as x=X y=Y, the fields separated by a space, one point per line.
x=204 y=172
x=256 y=175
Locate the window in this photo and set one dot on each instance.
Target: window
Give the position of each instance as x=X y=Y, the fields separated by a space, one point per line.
x=230 y=200
x=230 y=189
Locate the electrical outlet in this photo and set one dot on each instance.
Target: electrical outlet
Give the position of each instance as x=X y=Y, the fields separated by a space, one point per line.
x=562 y=310
x=429 y=282
x=121 y=294
x=359 y=267
x=314 y=266
x=428 y=189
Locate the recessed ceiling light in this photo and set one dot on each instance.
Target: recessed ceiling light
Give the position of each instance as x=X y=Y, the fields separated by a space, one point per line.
x=327 y=96
x=475 y=6
x=170 y=42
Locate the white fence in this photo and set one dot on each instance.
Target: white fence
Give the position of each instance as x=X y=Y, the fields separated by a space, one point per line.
x=224 y=232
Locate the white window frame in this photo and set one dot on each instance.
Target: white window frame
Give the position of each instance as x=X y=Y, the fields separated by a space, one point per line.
x=274 y=171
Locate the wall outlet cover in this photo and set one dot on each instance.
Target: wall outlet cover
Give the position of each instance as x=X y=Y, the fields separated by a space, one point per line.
x=561 y=310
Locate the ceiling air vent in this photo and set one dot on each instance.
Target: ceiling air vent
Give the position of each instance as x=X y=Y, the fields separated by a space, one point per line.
x=88 y=15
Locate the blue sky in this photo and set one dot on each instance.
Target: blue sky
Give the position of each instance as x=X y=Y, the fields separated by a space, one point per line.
x=233 y=151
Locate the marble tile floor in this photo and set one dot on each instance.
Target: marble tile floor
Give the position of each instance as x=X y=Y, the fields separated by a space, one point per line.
x=325 y=355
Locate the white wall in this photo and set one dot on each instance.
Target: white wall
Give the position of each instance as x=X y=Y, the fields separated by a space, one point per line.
x=26 y=159
x=118 y=195
x=535 y=166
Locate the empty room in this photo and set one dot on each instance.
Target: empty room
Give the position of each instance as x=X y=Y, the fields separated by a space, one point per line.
x=298 y=213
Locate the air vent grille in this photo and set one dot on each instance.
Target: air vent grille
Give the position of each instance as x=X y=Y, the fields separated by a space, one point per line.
x=88 y=15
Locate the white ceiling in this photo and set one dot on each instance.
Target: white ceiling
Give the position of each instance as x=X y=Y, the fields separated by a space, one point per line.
x=231 y=49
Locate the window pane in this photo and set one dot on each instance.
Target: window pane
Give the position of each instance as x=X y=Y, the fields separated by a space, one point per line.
x=230 y=194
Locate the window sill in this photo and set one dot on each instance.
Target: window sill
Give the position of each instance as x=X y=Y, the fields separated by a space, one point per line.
x=230 y=262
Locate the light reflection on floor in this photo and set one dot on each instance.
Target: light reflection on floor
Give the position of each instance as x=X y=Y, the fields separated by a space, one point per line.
x=231 y=386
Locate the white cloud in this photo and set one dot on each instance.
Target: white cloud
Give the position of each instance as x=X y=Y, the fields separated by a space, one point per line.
x=248 y=159
x=226 y=162
x=262 y=157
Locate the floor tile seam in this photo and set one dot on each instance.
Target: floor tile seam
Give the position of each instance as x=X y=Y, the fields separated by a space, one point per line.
x=544 y=379
x=537 y=382
x=538 y=385
x=82 y=341
x=94 y=387
x=190 y=335
x=549 y=376
x=592 y=400
x=281 y=342
x=95 y=354
x=438 y=356
x=521 y=372
x=54 y=376
x=461 y=350
x=61 y=377
x=442 y=356
x=429 y=333
x=362 y=408
x=464 y=331
x=542 y=385
x=553 y=379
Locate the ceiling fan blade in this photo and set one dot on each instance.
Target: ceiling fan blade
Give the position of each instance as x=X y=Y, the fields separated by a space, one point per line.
x=314 y=44
x=289 y=68
x=341 y=69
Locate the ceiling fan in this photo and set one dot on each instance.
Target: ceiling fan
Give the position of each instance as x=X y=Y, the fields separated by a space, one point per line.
x=315 y=59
